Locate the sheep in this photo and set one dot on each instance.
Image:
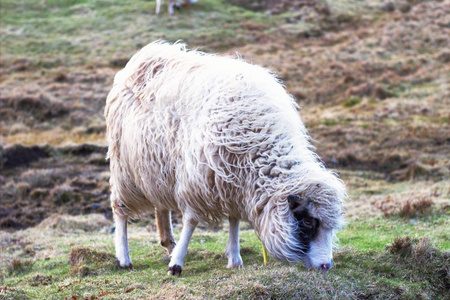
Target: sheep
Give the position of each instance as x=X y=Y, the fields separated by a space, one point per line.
x=215 y=137
x=172 y=4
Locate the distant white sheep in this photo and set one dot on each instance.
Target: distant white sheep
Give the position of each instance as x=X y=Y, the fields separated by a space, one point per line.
x=214 y=137
x=171 y=5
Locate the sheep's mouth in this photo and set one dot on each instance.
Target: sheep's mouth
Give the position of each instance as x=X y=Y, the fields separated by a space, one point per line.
x=307 y=262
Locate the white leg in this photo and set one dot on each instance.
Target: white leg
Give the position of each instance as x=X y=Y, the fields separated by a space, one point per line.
x=121 y=241
x=234 y=256
x=158 y=6
x=171 y=5
x=180 y=251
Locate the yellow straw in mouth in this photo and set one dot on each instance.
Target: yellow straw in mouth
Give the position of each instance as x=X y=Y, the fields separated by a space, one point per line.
x=264 y=253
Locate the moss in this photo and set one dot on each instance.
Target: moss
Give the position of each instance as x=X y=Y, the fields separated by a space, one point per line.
x=352 y=102
x=329 y=122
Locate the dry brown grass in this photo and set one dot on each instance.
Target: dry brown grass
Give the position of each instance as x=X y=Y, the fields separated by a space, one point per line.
x=406 y=209
x=39 y=279
x=85 y=261
x=421 y=250
x=418 y=207
x=53 y=137
x=18 y=265
x=65 y=223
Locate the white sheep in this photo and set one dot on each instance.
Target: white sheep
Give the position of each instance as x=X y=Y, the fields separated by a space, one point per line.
x=171 y=5
x=215 y=137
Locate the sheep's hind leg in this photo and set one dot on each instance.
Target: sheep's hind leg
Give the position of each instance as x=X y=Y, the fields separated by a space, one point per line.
x=121 y=242
x=233 y=252
x=180 y=251
x=164 y=224
x=158 y=6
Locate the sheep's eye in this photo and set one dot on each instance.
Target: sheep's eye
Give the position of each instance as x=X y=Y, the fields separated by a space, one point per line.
x=308 y=221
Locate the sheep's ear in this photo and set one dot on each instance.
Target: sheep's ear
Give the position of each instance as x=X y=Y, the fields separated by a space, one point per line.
x=294 y=201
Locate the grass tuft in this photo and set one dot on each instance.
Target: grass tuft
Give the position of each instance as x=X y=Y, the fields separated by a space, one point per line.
x=407 y=209
x=418 y=207
x=18 y=266
x=401 y=246
x=39 y=279
x=85 y=261
x=352 y=102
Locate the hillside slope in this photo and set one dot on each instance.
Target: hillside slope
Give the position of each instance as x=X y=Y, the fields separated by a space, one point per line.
x=371 y=77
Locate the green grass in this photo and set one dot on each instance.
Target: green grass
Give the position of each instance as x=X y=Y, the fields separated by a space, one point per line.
x=94 y=31
x=352 y=102
x=362 y=265
x=374 y=234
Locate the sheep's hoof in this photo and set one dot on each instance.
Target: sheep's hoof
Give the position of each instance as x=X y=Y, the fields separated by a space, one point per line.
x=235 y=266
x=174 y=270
x=235 y=263
x=126 y=267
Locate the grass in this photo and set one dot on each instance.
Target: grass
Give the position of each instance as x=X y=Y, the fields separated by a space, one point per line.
x=372 y=86
x=80 y=263
x=90 y=31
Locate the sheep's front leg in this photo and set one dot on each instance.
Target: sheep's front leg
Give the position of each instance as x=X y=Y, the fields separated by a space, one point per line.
x=234 y=256
x=180 y=251
x=164 y=224
x=158 y=6
x=121 y=242
x=171 y=6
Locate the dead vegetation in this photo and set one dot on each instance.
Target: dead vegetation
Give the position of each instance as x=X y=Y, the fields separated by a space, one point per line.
x=18 y=265
x=426 y=259
x=76 y=183
x=67 y=223
x=406 y=208
x=85 y=261
x=420 y=249
x=39 y=279
x=371 y=80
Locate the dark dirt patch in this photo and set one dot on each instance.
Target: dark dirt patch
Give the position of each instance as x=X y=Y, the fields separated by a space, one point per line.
x=83 y=149
x=55 y=180
x=19 y=155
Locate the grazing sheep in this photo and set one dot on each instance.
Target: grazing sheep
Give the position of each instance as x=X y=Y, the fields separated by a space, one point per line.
x=172 y=4
x=215 y=137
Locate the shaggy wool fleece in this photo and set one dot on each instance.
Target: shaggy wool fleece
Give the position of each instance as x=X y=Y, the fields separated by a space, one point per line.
x=216 y=137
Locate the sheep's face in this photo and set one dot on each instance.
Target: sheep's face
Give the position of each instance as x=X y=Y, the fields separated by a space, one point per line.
x=315 y=238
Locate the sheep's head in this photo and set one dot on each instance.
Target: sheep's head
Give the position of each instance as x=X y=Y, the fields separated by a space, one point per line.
x=316 y=221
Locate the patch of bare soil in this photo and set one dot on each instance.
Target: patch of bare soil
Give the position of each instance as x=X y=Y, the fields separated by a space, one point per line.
x=39 y=181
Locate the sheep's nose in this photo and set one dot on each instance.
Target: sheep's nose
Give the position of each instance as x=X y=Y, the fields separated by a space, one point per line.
x=326 y=267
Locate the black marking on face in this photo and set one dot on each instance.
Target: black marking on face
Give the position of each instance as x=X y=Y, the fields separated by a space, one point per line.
x=308 y=228
x=294 y=201
x=308 y=225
